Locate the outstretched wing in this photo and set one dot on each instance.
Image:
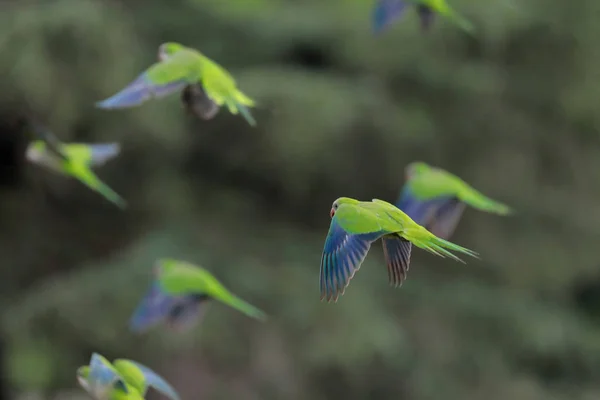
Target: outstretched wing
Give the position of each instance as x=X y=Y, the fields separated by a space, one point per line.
x=142 y=377
x=187 y=313
x=161 y=79
x=419 y=210
x=386 y=12
x=342 y=256
x=95 y=155
x=198 y=103
x=446 y=218
x=156 y=306
x=396 y=251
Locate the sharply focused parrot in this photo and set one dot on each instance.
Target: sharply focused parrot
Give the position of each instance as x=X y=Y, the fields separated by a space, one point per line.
x=387 y=11
x=75 y=160
x=355 y=225
x=436 y=199
x=178 y=294
x=205 y=86
x=121 y=380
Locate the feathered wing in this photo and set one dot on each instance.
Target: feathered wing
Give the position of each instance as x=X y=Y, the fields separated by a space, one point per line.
x=419 y=210
x=95 y=154
x=141 y=377
x=344 y=251
x=387 y=11
x=188 y=312
x=198 y=103
x=154 y=308
x=396 y=251
x=446 y=218
x=221 y=88
x=160 y=80
x=102 y=375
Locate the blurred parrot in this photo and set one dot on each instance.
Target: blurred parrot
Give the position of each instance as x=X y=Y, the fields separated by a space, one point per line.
x=205 y=86
x=436 y=199
x=355 y=225
x=74 y=159
x=387 y=11
x=121 y=380
x=177 y=294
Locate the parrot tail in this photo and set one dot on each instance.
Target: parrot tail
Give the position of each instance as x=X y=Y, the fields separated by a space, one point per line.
x=239 y=102
x=484 y=203
x=87 y=177
x=426 y=240
x=245 y=307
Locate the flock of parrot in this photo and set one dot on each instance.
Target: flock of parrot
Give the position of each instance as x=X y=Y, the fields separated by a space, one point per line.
x=425 y=215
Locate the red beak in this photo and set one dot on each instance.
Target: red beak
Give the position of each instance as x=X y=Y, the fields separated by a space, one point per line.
x=332 y=212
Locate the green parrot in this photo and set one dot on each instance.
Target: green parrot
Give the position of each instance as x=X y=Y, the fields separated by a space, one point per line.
x=177 y=294
x=436 y=199
x=205 y=86
x=75 y=160
x=355 y=225
x=121 y=380
x=387 y=11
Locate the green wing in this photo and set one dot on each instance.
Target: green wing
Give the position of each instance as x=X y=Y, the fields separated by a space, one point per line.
x=160 y=80
x=141 y=377
x=179 y=278
x=185 y=65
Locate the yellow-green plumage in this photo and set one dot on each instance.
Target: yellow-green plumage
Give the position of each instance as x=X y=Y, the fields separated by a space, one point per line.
x=179 y=68
x=77 y=160
x=355 y=225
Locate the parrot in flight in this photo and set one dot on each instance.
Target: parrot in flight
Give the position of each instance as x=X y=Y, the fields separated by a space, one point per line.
x=436 y=199
x=121 y=380
x=205 y=86
x=355 y=225
x=178 y=294
x=387 y=11
x=74 y=159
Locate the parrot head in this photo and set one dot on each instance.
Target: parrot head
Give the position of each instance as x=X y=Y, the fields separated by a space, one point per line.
x=166 y=50
x=415 y=168
x=338 y=202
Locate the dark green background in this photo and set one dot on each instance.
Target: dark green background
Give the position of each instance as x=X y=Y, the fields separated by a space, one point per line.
x=514 y=111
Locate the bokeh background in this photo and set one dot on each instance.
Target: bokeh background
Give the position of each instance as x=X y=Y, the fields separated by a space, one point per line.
x=514 y=111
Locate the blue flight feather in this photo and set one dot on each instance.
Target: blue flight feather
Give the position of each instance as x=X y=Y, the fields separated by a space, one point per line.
x=187 y=312
x=157 y=306
x=139 y=91
x=102 y=152
x=386 y=12
x=342 y=257
x=420 y=211
x=101 y=376
x=156 y=381
x=444 y=221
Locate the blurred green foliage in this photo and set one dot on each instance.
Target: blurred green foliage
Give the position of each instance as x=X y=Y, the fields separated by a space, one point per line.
x=513 y=111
